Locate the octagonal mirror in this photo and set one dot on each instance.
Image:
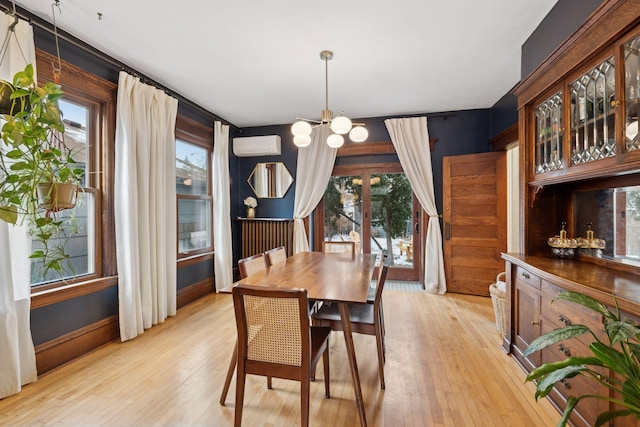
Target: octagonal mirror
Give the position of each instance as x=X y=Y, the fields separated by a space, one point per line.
x=270 y=180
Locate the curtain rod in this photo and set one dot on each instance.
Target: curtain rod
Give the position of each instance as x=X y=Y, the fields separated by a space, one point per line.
x=7 y=7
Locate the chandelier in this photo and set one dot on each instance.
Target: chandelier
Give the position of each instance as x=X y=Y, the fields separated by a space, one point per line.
x=340 y=125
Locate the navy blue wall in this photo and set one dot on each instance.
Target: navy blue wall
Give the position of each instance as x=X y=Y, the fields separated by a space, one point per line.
x=504 y=114
x=461 y=132
x=561 y=21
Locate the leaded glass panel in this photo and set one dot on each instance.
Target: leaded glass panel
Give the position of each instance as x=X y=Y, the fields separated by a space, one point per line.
x=549 y=135
x=632 y=94
x=592 y=114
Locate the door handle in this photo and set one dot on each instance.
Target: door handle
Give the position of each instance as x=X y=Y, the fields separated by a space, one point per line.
x=417 y=227
x=447 y=231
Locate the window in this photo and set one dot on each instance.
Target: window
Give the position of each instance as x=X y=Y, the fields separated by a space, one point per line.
x=81 y=247
x=88 y=108
x=193 y=188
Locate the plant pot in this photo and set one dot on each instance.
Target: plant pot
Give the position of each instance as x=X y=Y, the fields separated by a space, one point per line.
x=57 y=196
x=251 y=213
x=7 y=105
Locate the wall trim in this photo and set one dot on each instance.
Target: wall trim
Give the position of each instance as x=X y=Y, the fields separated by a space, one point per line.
x=504 y=138
x=61 y=350
x=195 y=291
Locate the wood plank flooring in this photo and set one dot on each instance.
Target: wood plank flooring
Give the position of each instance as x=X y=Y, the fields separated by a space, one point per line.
x=444 y=367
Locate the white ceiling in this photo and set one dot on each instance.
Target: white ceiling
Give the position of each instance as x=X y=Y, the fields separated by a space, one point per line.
x=257 y=62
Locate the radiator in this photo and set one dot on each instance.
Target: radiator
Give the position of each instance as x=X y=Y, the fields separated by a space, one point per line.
x=262 y=234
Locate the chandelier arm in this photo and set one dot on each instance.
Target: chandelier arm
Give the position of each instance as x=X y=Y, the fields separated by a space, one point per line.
x=309 y=120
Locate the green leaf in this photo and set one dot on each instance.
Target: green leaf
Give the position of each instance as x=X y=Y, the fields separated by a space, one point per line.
x=12 y=179
x=14 y=154
x=612 y=358
x=41 y=222
x=554 y=336
x=64 y=174
x=9 y=214
x=605 y=417
x=19 y=93
x=546 y=383
x=631 y=394
x=572 y=401
x=586 y=301
x=618 y=331
x=37 y=254
x=551 y=367
x=19 y=166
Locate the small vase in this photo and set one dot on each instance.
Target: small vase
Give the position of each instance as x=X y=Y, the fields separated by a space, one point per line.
x=251 y=212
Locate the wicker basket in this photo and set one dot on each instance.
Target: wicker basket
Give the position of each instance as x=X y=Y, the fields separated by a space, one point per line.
x=499 y=303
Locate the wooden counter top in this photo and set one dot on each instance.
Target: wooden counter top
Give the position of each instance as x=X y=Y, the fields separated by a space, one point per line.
x=588 y=278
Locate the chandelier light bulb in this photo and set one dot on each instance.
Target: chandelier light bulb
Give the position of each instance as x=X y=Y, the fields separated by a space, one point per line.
x=301 y=128
x=302 y=140
x=335 y=141
x=358 y=134
x=341 y=125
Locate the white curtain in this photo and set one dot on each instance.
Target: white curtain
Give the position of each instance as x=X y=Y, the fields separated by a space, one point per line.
x=410 y=137
x=315 y=164
x=17 y=355
x=145 y=205
x=223 y=261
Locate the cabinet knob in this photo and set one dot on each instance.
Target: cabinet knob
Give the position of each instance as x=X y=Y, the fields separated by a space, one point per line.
x=615 y=103
x=525 y=275
x=566 y=384
x=564 y=320
x=533 y=322
x=564 y=350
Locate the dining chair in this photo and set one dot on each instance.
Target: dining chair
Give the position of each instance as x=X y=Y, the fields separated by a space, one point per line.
x=246 y=266
x=275 y=339
x=276 y=255
x=338 y=247
x=365 y=319
x=251 y=265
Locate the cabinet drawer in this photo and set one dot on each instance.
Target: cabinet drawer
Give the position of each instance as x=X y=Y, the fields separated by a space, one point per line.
x=587 y=410
x=525 y=277
x=564 y=313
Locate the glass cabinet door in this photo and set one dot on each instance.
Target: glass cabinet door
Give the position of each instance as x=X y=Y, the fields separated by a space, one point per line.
x=631 y=54
x=548 y=151
x=593 y=114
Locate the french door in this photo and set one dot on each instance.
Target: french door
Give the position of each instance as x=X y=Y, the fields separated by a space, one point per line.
x=374 y=207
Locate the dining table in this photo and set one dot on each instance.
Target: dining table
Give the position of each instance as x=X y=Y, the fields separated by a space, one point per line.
x=336 y=278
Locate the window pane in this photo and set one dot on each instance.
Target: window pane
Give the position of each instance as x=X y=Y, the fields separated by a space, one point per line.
x=76 y=118
x=343 y=209
x=80 y=246
x=194 y=220
x=191 y=169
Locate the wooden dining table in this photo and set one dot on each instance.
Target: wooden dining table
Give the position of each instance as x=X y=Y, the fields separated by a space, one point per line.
x=336 y=278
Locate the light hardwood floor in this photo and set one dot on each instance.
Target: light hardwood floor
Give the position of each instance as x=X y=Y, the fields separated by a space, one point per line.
x=444 y=368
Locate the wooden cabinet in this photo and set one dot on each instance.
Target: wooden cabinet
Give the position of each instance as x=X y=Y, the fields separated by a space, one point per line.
x=533 y=285
x=579 y=135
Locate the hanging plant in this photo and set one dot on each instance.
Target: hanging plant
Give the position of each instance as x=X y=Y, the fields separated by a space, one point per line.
x=38 y=175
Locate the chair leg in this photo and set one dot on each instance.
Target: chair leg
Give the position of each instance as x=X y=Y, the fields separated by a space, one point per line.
x=232 y=367
x=240 y=383
x=269 y=383
x=325 y=362
x=380 y=344
x=304 y=400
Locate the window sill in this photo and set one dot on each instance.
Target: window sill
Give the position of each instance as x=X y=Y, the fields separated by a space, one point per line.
x=41 y=298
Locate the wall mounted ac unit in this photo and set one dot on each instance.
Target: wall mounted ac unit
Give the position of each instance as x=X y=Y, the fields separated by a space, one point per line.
x=252 y=146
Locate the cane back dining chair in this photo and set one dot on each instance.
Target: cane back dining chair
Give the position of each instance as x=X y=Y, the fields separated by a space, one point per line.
x=251 y=265
x=365 y=319
x=246 y=267
x=338 y=247
x=276 y=255
x=276 y=340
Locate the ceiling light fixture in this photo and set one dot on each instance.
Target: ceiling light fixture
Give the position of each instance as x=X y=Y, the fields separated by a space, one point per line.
x=340 y=125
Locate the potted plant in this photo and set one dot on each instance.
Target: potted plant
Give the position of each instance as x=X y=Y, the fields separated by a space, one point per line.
x=619 y=355
x=38 y=175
